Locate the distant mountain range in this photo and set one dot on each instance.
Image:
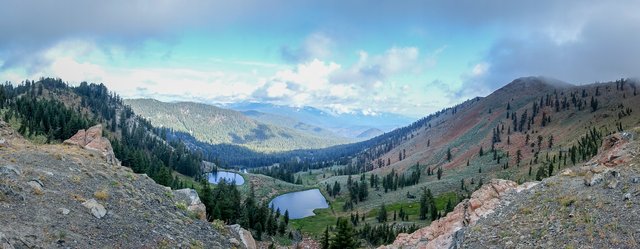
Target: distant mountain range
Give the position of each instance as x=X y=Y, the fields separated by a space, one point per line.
x=350 y=125
x=258 y=131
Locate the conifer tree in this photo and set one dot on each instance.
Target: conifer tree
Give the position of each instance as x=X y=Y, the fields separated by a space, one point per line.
x=324 y=243
x=345 y=236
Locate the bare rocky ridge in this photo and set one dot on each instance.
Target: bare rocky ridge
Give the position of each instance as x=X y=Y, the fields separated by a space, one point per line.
x=67 y=196
x=594 y=205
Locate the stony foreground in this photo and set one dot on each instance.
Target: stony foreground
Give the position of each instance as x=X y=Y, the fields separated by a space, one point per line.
x=68 y=196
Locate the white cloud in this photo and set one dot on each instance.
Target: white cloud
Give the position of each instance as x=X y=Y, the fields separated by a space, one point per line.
x=366 y=86
x=315 y=46
x=480 y=69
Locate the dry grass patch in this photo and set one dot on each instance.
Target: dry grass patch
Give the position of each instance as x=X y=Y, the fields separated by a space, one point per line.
x=567 y=200
x=102 y=195
x=75 y=179
x=38 y=191
x=78 y=198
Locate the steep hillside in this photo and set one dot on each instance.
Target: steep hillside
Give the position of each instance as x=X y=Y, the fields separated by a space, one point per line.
x=215 y=125
x=593 y=205
x=517 y=125
x=66 y=196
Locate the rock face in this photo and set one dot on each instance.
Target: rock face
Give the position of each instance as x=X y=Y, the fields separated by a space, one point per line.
x=442 y=233
x=245 y=236
x=614 y=150
x=192 y=200
x=92 y=139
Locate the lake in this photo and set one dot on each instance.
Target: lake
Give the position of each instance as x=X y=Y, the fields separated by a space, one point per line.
x=300 y=204
x=216 y=177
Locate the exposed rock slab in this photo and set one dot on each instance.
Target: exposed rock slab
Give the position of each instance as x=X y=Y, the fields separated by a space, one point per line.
x=245 y=236
x=92 y=139
x=191 y=198
x=440 y=233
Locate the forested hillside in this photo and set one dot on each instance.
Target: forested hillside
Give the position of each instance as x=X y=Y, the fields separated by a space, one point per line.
x=50 y=111
x=215 y=126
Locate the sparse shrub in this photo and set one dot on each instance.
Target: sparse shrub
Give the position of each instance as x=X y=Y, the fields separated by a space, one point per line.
x=101 y=195
x=567 y=200
x=526 y=210
x=218 y=225
x=181 y=205
x=75 y=179
x=196 y=244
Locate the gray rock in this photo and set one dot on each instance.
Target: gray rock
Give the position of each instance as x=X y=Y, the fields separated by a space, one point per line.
x=613 y=184
x=36 y=184
x=626 y=197
x=63 y=211
x=4 y=242
x=96 y=208
x=593 y=179
x=234 y=242
x=9 y=170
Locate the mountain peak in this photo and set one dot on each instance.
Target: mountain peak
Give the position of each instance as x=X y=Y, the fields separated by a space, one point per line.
x=536 y=82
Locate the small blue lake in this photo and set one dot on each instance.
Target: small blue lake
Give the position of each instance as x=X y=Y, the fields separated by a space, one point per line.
x=217 y=177
x=300 y=204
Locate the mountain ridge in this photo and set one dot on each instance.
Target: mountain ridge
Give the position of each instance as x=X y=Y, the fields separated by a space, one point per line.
x=216 y=125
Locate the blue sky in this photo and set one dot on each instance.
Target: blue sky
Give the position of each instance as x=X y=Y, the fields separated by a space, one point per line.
x=406 y=57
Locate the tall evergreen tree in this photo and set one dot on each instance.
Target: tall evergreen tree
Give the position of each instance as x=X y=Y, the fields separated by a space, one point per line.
x=345 y=236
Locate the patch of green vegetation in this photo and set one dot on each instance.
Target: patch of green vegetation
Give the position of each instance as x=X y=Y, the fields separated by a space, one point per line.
x=316 y=224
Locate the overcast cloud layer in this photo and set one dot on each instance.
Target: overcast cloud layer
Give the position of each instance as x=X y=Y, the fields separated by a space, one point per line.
x=408 y=57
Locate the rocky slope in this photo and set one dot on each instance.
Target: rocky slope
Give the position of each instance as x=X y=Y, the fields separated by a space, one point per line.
x=76 y=196
x=594 y=205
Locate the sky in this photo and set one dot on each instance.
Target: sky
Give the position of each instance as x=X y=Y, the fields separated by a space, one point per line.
x=404 y=57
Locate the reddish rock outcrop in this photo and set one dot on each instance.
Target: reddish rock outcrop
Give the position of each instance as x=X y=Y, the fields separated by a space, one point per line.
x=92 y=139
x=613 y=150
x=440 y=233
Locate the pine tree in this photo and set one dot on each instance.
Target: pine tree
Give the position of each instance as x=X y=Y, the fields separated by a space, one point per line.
x=424 y=205
x=286 y=216
x=439 y=173
x=449 y=207
x=382 y=214
x=325 y=239
x=345 y=236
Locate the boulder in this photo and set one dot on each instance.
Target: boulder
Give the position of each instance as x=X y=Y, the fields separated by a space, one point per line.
x=91 y=139
x=190 y=196
x=96 y=208
x=78 y=139
x=245 y=236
